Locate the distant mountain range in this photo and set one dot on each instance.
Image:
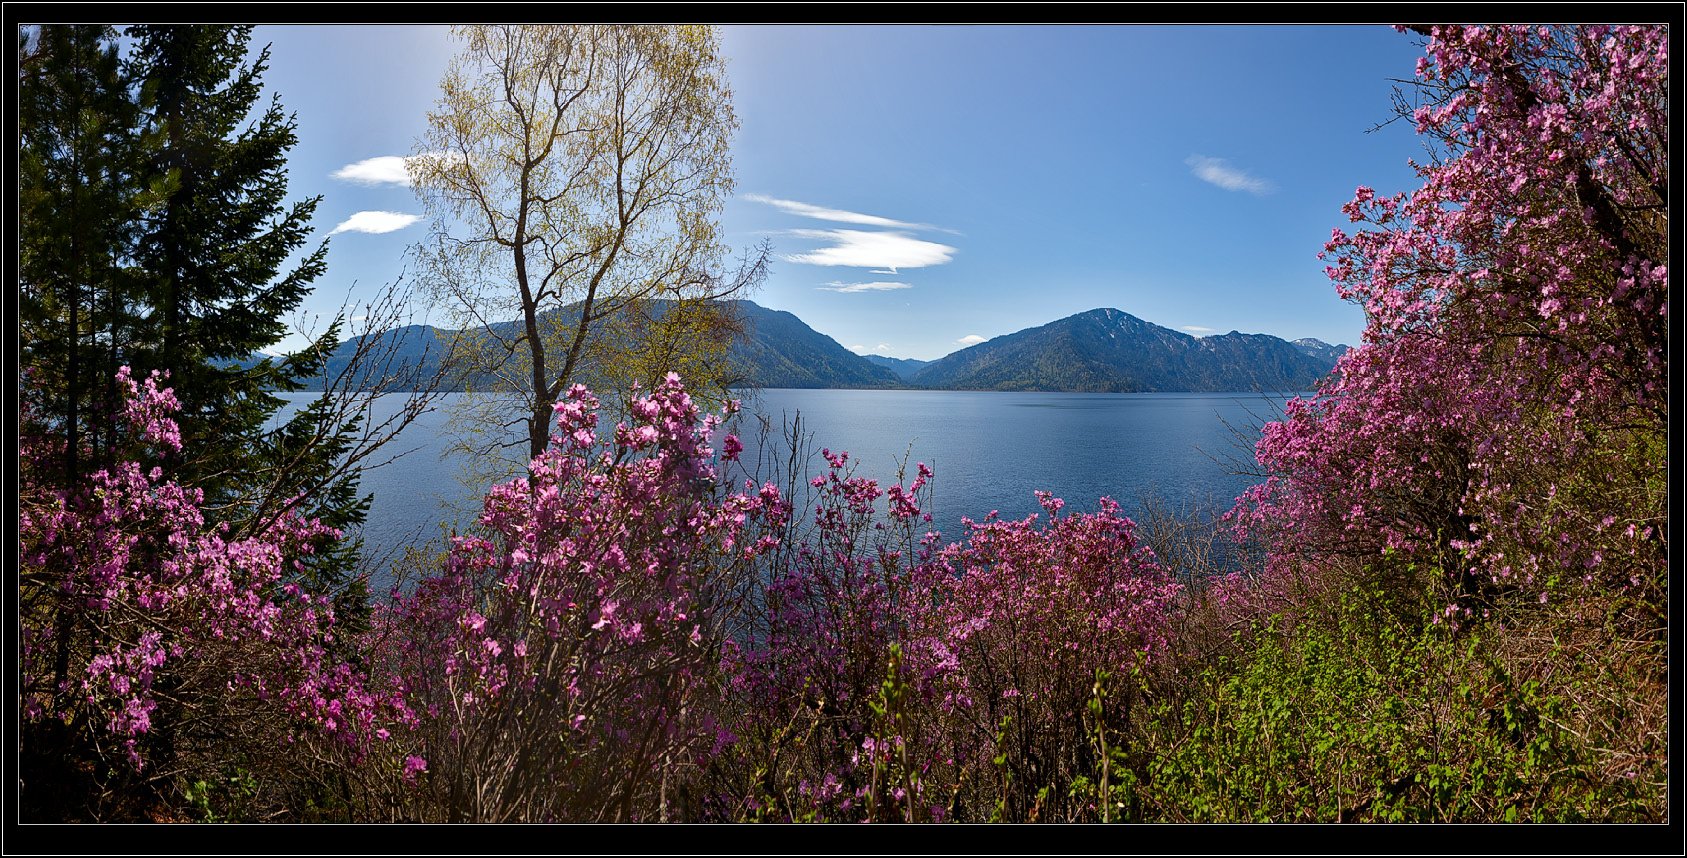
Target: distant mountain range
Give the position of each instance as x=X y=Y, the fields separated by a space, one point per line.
x=1102 y=350
x=903 y=367
x=1106 y=350
x=1319 y=349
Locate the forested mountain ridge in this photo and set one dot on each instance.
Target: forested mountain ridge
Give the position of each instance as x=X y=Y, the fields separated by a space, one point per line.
x=1102 y=350
x=903 y=367
x=780 y=350
x=1108 y=350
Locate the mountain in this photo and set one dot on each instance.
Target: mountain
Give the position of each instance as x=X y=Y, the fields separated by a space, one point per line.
x=1320 y=350
x=781 y=351
x=415 y=350
x=409 y=352
x=903 y=367
x=1107 y=350
x=778 y=351
x=1101 y=350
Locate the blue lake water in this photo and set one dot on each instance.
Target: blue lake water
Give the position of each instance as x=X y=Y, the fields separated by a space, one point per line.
x=990 y=450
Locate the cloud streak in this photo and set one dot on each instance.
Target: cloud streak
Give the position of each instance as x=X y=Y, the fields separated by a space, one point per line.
x=838 y=215
x=970 y=340
x=1199 y=329
x=386 y=169
x=375 y=223
x=885 y=251
x=875 y=286
x=1217 y=171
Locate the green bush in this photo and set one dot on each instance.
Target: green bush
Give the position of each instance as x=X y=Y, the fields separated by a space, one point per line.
x=1368 y=710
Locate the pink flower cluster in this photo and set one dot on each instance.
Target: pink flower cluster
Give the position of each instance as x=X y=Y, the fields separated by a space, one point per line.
x=1506 y=410
x=583 y=626
x=1011 y=622
x=1077 y=590
x=1024 y=616
x=129 y=592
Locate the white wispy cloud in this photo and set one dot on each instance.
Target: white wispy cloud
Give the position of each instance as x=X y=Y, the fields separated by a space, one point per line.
x=1218 y=171
x=970 y=340
x=863 y=350
x=386 y=169
x=824 y=213
x=375 y=222
x=886 y=251
x=876 y=286
x=1199 y=329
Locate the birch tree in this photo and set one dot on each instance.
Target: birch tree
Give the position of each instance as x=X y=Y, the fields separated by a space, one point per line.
x=573 y=174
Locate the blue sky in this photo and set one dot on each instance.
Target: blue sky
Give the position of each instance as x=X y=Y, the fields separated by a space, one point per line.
x=925 y=186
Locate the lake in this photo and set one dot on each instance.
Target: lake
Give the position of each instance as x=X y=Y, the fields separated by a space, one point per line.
x=990 y=450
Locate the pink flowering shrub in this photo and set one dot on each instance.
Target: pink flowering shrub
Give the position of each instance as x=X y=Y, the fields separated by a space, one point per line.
x=1503 y=421
x=1380 y=461
x=565 y=664
x=1011 y=643
x=153 y=644
x=809 y=661
x=1498 y=442
x=888 y=677
x=632 y=639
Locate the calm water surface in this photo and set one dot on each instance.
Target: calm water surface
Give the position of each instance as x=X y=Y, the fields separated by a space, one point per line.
x=990 y=450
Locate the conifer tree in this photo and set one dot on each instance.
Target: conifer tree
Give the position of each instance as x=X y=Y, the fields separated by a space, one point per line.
x=77 y=198
x=214 y=246
x=74 y=197
x=214 y=250
x=157 y=234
